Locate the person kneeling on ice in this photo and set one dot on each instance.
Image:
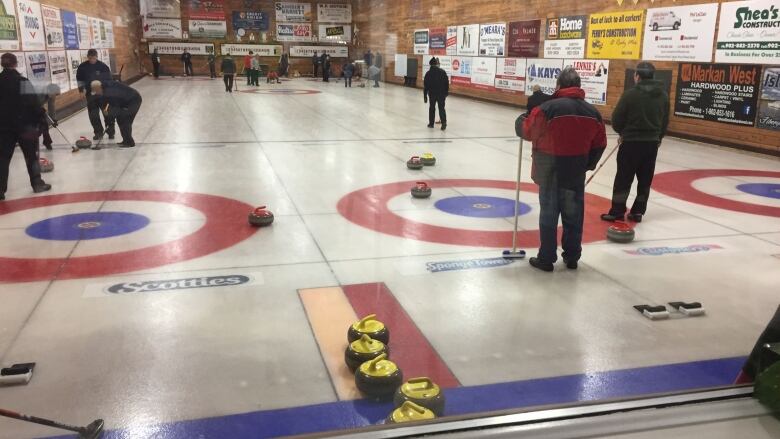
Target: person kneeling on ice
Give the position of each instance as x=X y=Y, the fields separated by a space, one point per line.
x=568 y=138
x=121 y=102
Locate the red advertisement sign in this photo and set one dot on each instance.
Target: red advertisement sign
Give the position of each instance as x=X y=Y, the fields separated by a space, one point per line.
x=524 y=38
x=206 y=9
x=437 y=39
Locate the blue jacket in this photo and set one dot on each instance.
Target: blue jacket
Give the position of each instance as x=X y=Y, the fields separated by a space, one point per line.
x=349 y=70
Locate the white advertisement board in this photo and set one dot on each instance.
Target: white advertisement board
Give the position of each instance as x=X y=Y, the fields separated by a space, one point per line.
x=565 y=36
x=85 y=34
x=421 y=41
x=162 y=28
x=58 y=66
x=243 y=49
x=178 y=48
x=289 y=11
x=21 y=62
x=335 y=32
x=161 y=8
x=749 y=32
x=334 y=13
x=109 y=34
x=510 y=74
x=96 y=35
x=294 y=32
x=468 y=40
x=74 y=60
x=38 y=68
x=492 y=39
x=483 y=71
x=683 y=33
x=542 y=72
x=309 y=51
x=31 y=25
x=52 y=24
x=208 y=29
x=400 y=64
x=452 y=40
x=594 y=75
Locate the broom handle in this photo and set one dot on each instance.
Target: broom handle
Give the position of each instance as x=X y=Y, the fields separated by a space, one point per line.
x=35 y=420
x=602 y=164
x=517 y=195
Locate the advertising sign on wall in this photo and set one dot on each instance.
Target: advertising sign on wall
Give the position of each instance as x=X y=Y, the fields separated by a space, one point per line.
x=94 y=31
x=38 y=68
x=542 y=72
x=683 y=33
x=309 y=51
x=334 y=13
x=70 y=30
x=565 y=37
x=31 y=26
x=483 y=73
x=460 y=70
x=208 y=29
x=109 y=34
x=594 y=75
x=297 y=12
x=74 y=60
x=437 y=41
x=510 y=75
x=335 y=32
x=294 y=32
x=421 y=41
x=206 y=9
x=250 y=21
x=445 y=63
x=615 y=35
x=52 y=24
x=749 y=32
x=524 y=38
x=161 y=8
x=85 y=33
x=769 y=108
x=21 y=62
x=725 y=93
x=58 y=65
x=452 y=40
x=492 y=39
x=468 y=39
x=194 y=49
x=162 y=28
x=9 y=32
x=243 y=49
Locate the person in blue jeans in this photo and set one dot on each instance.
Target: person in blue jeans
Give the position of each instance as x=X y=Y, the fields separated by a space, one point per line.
x=568 y=138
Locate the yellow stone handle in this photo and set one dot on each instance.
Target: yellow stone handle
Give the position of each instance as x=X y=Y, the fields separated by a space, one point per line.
x=409 y=407
x=366 y=319
x=422 y=383
x=373 y=365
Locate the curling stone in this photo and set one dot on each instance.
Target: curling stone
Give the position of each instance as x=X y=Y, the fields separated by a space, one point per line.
x=421 y=190
x=414 y=163
x=46 y=165
x=409 y=412
x=423 y=392
x=378 y=378
x=369 y=326
x=362 y=350
x=621 y=233
x=428 y=159
x=83 y=143
x=261 y=217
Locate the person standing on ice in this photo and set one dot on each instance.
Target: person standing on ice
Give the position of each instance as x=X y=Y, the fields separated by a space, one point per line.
x=568 y=138
x=436 y=86
x=641 y=117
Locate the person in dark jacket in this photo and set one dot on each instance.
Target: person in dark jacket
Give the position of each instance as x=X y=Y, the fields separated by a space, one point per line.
x=641 y=117
x=315 y=63
x=156 y=63
x=186 y=59
x=120 y=102
x=568 y=138
x=284 y=66
x=436 y=87
x=349 y=72
x=20 y=115
x=326 y=68
x=228 y=69
x=212 y=59
x=49 y=116
x=368 y=57
x=94 y=70
x=537 y=98
x=753 y=367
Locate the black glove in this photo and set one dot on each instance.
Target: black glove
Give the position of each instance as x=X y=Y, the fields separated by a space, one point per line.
x=54 y=123
x=425 y=98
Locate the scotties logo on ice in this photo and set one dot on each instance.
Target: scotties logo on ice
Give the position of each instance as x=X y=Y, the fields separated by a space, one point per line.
x=179 y=284
x=436 y=267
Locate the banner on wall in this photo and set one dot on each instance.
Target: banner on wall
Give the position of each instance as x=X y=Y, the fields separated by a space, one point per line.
x=335 y=32
x=85 y=33
x=334 y=13
x=74 y=61
x=109 y=34
x=524 y=38
x=9 y=32
x=683 y=33
x=460 y=70
x=594 y=75
x=445 y=63
x=58 y=66
x=421 y=42
x=492 y=39
x=21 y=62
x=452 y=40
x=749 y=32
x=52 y=24
x=70 y=30
x=483 y=73
x=309 y=51
x=510 y=75
x=294 y=32
x=615 y=35
x=206 y=9
x=468 y=39
x=161 y=8
x=162 y=28
x=769 y=108
x=31 y=26
x=38 y=68
x=105 y=56
x=208 y=29
x=94 y=30
x=437 y=39
x=288 y=11
x=565 y=37
x=170 y=48
x=542 y=72
x=725 y=93
x=250 y=21
x=243 y=49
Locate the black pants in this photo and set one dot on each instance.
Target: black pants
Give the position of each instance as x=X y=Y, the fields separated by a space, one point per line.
x=125 y=120
x=325 y=75
x=213 y=70
x=634 y=159
x=347 y=81
x=316 y=68
x=156 y=67
x=28 y=141
x=228 y=82
x=433 y=101
x=94 y=118
x=188 y=68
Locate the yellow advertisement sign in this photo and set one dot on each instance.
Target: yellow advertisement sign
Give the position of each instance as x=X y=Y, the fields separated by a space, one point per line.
x=615 y=35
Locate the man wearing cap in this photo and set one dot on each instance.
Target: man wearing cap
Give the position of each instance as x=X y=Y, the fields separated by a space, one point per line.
x=20 y=116
x=94 y=70
x=641 y=117
x=436 y=86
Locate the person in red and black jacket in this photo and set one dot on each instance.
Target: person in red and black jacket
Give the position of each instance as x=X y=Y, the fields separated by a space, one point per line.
x=569 y=138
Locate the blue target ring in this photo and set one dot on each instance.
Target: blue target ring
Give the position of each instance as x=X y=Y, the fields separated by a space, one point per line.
x=768 y=190
x=481 y=207
x=85 y=226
